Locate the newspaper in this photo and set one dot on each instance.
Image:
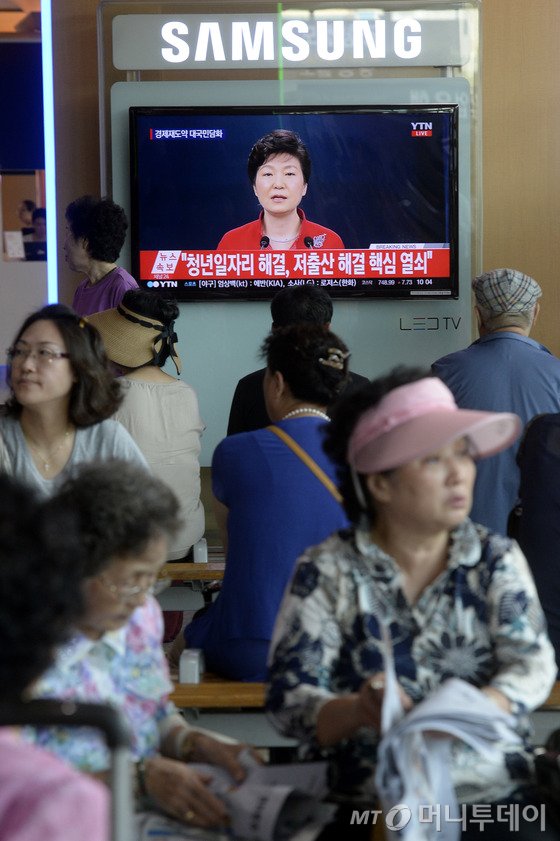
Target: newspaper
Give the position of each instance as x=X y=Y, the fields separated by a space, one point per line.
x=413 y=758
x=273 y=803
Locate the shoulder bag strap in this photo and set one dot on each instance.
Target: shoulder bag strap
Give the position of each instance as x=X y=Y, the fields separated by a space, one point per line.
x=308 y=461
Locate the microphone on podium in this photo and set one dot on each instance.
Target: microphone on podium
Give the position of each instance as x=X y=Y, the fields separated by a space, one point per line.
x=265 y=242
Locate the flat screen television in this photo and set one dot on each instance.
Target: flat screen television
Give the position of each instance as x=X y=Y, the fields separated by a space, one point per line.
x=384 y=178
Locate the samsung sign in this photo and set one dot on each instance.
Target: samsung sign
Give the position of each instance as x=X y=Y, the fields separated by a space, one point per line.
x=155 y=42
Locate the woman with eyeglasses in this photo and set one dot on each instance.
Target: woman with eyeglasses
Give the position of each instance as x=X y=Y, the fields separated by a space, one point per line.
x=62 y=397
x=126 y=519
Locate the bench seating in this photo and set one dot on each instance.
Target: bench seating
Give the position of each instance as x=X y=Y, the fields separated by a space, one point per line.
x=231 y=708
x=218 y=693
x=236 y=709
x=211 y=571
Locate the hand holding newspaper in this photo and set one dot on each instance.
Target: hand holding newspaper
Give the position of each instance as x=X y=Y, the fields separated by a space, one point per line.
x=413 y=758
x=273 y=803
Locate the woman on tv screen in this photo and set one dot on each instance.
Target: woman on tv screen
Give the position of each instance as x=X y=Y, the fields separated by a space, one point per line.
x=279 y=167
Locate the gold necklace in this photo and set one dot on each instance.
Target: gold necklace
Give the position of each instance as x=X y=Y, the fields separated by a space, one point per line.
x=47 y=461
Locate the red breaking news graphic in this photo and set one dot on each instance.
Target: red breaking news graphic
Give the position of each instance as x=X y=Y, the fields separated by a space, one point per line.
x=320 y=263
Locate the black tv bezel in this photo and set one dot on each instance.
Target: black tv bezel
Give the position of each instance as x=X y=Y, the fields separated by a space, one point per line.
x=192 y=295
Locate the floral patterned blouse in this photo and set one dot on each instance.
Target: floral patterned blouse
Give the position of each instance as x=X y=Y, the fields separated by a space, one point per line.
x=480 y=620
x=126 y=668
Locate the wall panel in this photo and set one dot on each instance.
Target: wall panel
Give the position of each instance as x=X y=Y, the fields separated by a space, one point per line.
x=521 y=148
x=521 y=126
x=76 y=114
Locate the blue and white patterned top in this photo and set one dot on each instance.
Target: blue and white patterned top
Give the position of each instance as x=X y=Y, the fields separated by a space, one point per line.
x=479 y=620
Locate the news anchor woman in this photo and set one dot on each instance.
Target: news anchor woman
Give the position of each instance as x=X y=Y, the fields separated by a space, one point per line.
x=279 y=167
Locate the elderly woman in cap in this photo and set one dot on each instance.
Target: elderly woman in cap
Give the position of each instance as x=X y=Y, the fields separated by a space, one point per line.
x=454 y=599
x=160 y=411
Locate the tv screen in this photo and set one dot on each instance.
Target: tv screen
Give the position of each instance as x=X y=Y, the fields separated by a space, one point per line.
x=376 y=217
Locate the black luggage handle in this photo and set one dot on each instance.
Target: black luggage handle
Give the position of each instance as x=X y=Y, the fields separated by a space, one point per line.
x=46 y=713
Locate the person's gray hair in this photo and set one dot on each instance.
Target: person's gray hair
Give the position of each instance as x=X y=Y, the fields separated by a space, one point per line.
x=491 y=322
x=120 y=508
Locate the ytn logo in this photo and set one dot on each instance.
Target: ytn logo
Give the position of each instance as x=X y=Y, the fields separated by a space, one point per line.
x=421 y=129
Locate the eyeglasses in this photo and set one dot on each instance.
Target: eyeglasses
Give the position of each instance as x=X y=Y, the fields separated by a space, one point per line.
x=43 y=355
x=129 y=591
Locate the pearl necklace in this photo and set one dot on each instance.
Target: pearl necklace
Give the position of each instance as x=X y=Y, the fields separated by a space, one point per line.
x=306 y=410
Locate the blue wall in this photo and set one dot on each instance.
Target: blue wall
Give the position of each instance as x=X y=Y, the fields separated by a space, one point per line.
x=21 y=106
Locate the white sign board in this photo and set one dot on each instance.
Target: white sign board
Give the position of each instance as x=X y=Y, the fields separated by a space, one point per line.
x=358 y=38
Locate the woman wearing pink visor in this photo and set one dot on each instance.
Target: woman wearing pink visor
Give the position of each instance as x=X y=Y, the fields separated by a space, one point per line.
x=416 y=577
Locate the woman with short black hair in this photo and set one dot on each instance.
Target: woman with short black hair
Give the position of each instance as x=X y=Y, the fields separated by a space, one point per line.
x=95 y=234
x=279 y=168
x=273 y=496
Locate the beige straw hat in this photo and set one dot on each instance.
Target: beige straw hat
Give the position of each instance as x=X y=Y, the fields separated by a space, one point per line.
x=132 y=339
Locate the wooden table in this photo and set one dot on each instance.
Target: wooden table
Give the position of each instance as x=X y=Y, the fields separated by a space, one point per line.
x=230 y=708
x=218 y=693
x=211 y=571
x=553 y=700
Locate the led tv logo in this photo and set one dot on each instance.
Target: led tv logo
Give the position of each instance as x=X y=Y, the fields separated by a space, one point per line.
x=421 y=130
x=430 y=322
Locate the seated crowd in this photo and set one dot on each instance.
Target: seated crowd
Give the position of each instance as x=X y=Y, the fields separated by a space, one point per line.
x=352 y=566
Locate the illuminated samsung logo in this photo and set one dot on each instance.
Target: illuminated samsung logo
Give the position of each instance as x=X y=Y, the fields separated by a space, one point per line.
x=349 y=36
x=258 y=41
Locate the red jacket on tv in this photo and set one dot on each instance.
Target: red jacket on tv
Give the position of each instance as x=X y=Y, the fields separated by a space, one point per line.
x=248 y=237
